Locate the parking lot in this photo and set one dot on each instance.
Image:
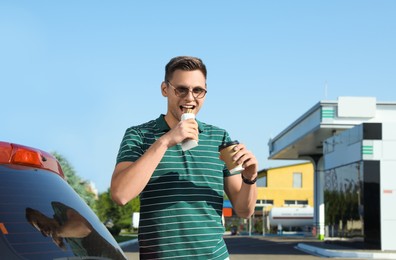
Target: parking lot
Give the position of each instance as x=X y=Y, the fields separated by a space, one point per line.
x=255 y=247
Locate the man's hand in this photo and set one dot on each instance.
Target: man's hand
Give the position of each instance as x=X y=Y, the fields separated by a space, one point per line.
x=248 y=161
x=186 y=129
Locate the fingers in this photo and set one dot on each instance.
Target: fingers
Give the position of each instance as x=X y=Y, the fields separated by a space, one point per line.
x=189 y=129
x=244 y=156
x=186 y=129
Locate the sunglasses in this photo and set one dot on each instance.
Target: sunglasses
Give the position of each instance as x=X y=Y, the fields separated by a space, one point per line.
x=182 y=91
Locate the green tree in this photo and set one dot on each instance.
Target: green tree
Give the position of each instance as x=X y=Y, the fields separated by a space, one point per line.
x=114 y=216
x=77 y=183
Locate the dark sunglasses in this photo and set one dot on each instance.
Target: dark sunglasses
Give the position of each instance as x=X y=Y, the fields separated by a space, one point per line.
x=182 y=91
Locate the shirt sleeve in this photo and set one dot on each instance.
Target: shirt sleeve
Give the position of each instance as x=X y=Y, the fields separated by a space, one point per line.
x=131 y=147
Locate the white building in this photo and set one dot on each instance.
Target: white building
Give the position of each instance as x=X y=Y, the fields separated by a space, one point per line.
x=352 y=144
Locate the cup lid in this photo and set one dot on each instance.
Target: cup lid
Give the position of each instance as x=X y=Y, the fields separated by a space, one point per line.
x=226 y=144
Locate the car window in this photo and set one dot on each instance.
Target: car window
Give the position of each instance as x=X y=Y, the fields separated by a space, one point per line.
x=41 y=217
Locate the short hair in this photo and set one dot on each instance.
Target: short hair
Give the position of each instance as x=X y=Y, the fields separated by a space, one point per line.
x=186 y=63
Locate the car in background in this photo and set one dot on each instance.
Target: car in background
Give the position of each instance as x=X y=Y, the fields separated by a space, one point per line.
x=41 y=216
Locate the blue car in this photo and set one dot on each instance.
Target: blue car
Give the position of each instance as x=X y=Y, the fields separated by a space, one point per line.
x=41 y=216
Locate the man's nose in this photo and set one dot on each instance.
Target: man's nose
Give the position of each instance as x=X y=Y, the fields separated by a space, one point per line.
x=190 y=95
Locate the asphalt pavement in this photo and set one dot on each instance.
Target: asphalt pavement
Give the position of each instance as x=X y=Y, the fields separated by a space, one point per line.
x=283 y=247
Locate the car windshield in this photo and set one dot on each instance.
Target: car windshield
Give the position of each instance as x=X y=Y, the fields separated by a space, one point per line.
x=41 y=217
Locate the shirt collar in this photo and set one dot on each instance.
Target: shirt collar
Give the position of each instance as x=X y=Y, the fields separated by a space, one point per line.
x=163 y=126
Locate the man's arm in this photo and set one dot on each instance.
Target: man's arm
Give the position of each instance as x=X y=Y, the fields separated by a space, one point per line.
x=130 y=178
x=243 y=196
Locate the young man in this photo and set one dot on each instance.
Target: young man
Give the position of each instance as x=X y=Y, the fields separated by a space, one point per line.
x=181 y=192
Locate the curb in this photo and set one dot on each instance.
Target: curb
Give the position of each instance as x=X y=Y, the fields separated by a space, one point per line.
x=344 y=254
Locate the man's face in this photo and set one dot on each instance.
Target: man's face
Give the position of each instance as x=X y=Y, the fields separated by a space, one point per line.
x=178 y=105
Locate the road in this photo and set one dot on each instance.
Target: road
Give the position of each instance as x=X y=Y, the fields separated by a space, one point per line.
x=255 y=247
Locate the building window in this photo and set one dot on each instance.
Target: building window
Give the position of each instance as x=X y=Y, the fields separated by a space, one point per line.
x=296 y=202
x=297 y=180
x=265 y=202
x=262 y=181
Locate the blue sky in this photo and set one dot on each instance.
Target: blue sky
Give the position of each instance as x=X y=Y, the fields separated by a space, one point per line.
x=75 y=74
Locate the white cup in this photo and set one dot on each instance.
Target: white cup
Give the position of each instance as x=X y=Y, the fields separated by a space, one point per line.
x=188 y=143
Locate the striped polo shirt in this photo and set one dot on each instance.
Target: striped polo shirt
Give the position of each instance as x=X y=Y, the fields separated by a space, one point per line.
x=181 y=206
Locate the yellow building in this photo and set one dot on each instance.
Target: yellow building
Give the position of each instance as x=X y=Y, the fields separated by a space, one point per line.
x=285 y=186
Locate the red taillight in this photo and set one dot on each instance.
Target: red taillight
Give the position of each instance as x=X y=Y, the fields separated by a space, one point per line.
x=5 y=152
x=23 y=155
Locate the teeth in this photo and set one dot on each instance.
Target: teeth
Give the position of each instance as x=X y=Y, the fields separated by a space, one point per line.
x=187 y=109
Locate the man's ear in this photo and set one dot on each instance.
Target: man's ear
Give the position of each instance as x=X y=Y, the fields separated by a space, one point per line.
x=164 y=89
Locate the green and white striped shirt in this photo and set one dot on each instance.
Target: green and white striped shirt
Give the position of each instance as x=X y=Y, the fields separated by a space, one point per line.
x=181 y=206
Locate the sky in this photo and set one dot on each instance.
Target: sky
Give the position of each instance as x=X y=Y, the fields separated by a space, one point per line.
x=75 y=74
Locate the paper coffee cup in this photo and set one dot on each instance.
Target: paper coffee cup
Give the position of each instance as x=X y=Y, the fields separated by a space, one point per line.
x=226 y=150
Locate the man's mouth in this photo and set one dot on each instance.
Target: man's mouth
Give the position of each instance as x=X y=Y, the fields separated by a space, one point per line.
x=185 y=108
